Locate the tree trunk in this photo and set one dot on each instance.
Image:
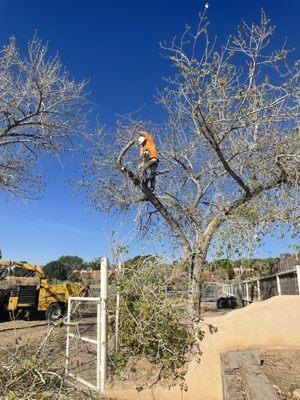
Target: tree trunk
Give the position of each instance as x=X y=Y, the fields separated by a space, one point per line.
x=198 y=263
x=197 y=266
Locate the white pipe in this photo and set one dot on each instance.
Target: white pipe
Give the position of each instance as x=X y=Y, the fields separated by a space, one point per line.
x=85 y=298
x=247 y=292
x=117 y=318
x=82 y=338
x=98 y=366
x=284 y=272
x=98 y=346
x=68 y=337
x=298 y=277
x=83 y=381
x=278 y=285
x=258 y=290
x=103 y=333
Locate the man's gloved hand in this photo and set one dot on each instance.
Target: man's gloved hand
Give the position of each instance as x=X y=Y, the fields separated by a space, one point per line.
x=146 y=154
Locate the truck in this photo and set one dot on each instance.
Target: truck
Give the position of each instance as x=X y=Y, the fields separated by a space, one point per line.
x=35 y=293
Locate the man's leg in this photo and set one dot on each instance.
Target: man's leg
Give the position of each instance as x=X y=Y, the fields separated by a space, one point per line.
x=150 y=165
x=142 y=168
x=153 y=169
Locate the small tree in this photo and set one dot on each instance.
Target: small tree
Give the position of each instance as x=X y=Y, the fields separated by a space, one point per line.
x=93 y=264
x=63 y=268
x=41 y=110
x=229 y=150
x=223 y=264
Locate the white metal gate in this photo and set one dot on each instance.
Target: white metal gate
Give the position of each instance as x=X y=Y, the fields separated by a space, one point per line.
x=101 y=340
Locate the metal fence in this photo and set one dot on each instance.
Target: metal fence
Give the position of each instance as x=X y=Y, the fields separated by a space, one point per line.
x=283 y=283
x=86 y=341
x=210 y=291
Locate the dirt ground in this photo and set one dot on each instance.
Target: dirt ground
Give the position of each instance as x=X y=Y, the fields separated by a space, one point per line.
x=272 y=326
x=37 y=327
x=12 y=331
x=282 y=367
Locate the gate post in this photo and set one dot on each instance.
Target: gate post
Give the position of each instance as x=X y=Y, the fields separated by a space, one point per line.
x=68 y=337
x=117 y=318
x=278 y=285
x=103 y=331
x=247 y=293
x=258 y=290
x=298 y=277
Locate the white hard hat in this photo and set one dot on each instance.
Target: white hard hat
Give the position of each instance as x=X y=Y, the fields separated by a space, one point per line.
x=141 y=139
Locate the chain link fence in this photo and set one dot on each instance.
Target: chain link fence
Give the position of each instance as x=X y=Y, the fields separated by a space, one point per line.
x=211 y=291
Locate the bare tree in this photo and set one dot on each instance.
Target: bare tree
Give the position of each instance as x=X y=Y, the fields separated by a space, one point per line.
x=229 y=151
x=41 y=109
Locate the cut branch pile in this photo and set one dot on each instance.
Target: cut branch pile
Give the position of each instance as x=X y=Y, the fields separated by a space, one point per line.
x=36 y=370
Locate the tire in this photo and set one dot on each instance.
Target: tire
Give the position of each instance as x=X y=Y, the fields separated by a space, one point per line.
x=54 y=312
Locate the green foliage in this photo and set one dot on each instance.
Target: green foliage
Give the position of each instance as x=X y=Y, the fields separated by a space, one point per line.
x=152 y=324
x=63 y=268
x=94 y=264
x=225 y=265
x=120 y=250
x=56 y=270
x=135 y=262
x=72 y=262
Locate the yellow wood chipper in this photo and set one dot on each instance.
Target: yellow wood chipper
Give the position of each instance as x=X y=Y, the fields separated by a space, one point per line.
x=36 y=293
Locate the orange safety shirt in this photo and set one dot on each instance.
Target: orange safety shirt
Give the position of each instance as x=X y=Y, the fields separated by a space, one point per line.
x=148 y=145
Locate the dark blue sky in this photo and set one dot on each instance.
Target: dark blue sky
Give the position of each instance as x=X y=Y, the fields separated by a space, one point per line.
x=115 y=45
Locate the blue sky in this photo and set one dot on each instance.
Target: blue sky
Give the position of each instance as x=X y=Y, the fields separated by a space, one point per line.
x=115 y=45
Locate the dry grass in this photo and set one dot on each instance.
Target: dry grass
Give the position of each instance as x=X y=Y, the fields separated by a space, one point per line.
x=34 y=369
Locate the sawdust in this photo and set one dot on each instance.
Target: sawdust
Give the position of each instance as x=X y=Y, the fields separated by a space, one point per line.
x=274 y=323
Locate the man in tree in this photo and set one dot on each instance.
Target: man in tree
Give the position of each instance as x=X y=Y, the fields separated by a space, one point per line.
x=149 y=159
x=230 y=144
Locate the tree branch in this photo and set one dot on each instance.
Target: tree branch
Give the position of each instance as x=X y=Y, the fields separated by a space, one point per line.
x=153 y=199
x=217 y=221
x=209 y=136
